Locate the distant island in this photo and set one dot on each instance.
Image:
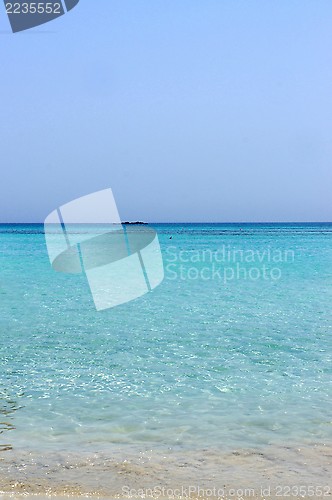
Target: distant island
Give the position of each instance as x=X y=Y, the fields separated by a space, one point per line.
x=137 y=222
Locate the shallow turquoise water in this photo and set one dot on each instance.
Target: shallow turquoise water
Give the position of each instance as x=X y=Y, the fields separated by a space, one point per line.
x=200 y=361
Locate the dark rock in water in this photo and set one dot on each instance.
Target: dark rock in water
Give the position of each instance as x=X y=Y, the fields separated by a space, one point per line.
x=137 y=222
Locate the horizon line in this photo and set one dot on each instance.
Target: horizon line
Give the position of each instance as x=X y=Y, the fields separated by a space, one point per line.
x=189 y=222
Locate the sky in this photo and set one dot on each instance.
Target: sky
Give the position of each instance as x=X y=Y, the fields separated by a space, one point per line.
x=190 y=110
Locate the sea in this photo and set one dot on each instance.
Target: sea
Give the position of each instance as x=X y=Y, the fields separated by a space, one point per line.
x=220 y=377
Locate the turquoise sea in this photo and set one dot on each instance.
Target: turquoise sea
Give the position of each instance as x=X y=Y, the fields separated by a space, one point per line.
x=233 y=351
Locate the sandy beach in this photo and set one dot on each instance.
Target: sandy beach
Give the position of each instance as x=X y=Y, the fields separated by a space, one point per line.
x=275 y=472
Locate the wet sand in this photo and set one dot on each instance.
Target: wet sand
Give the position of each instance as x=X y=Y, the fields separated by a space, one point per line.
x=270 y=472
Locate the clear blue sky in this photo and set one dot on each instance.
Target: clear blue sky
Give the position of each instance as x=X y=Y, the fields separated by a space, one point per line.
x=190 y=110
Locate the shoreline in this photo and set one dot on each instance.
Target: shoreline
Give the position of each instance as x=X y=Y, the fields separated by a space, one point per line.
x=203 y=473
